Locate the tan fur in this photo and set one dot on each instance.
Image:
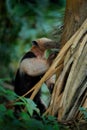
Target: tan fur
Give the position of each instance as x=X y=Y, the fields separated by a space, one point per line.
x=36 y=50
x=42 y=42
x=45 y=43
x=38 y=65
x=34 y=66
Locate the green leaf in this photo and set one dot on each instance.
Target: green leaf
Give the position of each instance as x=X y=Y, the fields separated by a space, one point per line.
x=56 y=127
x=45 y=95
x=25 y=116
x=48 y=127
x=10 y=114
x=34 y=124
x=31 y=106
x=19 y=103
x=10 y=95
x=2 y=90
x=23 y=99
x=2 y=110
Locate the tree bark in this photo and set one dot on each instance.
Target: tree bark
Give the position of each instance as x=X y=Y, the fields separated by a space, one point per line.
x=75 y=14
x=70 y=90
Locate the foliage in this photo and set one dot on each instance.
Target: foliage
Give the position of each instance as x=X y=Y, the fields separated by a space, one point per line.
x=84 y=112
x=8 y=119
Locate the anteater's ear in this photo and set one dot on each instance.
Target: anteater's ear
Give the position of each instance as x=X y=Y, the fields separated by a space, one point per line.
x=35 y=43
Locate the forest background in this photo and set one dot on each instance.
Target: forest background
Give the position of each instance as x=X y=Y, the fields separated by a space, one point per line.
x=22 y=21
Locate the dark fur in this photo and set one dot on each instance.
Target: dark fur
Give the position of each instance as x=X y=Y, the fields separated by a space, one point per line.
x=24 y=83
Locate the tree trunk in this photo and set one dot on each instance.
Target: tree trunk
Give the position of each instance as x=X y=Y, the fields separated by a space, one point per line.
x=70 y=90
x=75 y=14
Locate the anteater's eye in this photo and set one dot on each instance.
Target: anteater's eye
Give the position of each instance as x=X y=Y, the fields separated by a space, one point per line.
x=35 y=43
